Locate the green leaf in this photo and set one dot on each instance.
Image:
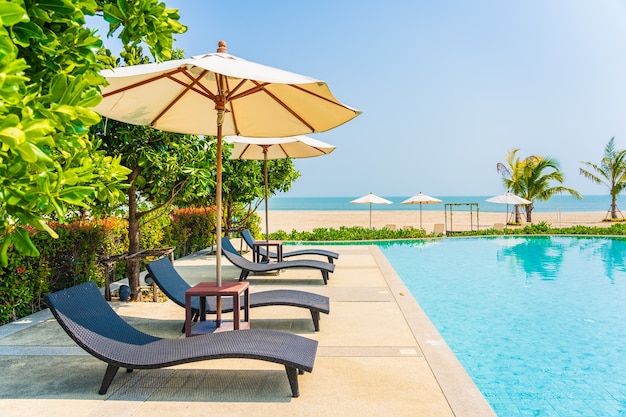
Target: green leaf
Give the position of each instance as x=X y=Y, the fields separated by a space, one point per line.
x=76 y=195
x=57 y=6
x=22 y=242
x=27 y=31
x=112 y=14
x=58 y=87
x=27 y=152
x=4 y=257
x=13 y=136
x=11 y=14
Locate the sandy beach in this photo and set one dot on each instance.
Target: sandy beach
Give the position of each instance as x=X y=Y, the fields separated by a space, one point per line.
x=308 y=220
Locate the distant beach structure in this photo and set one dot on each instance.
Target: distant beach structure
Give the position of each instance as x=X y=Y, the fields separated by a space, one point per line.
x=560 y=203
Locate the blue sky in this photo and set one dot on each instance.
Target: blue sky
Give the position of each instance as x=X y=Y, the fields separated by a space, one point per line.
x=446 y=87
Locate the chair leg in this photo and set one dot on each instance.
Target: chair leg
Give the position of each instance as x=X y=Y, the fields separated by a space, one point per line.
x=315 y=315
x=108 y=378
x=243 y=275
x=292 y=374
x=325 y=277
x=195 y=315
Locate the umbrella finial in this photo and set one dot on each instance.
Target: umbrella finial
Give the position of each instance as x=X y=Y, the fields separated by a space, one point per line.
x=221 y=47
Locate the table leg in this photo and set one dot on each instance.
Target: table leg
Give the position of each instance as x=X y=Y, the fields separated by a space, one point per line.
x=202 y=308
x=187 y=315
x=246 y=307
x=236 y=310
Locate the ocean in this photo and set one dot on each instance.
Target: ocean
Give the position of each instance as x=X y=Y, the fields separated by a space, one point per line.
x=559 y=203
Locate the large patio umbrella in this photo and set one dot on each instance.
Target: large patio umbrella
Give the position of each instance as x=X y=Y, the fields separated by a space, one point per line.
x=275 y=148
x=220 y=94
x=508 y=198
x=421 y=199
x=370 y=199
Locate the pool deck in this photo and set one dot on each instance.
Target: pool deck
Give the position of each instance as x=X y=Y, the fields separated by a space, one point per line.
x=378 y=355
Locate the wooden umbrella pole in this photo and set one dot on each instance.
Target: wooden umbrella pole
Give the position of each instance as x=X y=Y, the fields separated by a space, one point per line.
x=267 y=230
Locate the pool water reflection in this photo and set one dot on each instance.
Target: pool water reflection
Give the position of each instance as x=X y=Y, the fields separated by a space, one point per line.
x=537 y=322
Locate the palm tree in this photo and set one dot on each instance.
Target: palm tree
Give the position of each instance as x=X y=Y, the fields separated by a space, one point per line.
x=531 y=178
x=512 y=171
x=611 y=172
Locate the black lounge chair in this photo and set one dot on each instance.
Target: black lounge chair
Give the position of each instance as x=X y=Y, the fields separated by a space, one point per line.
x=247 y=266
x=247 y=237
x=89 y=320
x=174 y=286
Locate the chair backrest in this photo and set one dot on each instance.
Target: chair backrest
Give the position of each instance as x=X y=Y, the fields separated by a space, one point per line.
x=247 y=237
x=168 y=280
x=88 y=319
x=234 y=257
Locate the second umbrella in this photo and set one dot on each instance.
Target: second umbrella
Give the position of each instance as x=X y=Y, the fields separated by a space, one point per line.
x=275 y=148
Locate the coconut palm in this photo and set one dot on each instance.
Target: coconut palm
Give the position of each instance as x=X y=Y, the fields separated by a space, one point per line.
x=531 y=178
x=512 y=172
x=611 y=172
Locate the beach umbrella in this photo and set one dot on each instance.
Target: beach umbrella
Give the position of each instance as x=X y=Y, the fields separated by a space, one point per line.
x=421 y=199
x=370 y=199
x=508 y=198
x=275 y=148
x=219 y=94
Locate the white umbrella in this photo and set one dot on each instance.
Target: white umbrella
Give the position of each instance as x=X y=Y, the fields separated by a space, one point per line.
x=370 y=199
x=508 y=198
x=421 y=199
x=276 y=148
x=220 y=94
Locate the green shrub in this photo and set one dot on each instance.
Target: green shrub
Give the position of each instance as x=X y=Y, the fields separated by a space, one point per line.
x=23 y=284
x=191 y=230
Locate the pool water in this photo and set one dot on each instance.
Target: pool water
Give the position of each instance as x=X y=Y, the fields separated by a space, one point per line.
x=539 y=323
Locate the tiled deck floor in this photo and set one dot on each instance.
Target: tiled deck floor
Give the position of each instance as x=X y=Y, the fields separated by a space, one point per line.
x=378 y=355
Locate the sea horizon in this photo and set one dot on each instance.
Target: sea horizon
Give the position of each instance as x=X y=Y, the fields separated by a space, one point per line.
x=559 y=203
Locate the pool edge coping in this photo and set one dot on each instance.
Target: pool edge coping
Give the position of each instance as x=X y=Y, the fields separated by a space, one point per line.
x=462 y=394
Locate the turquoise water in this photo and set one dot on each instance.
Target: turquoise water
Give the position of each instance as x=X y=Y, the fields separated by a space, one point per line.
x=537 y=322
x=561 y=203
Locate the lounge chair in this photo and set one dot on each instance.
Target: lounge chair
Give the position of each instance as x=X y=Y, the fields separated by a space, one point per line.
x=89 y=320
x=174 y=286
x=247 y=237
x=247 y=266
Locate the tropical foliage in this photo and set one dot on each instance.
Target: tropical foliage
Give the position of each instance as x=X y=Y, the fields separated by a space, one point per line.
x=48 y=83
x=533 y=178
x=244 y=186
x=611 y=172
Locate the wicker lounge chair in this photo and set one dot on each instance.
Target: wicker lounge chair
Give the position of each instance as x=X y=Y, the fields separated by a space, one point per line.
x=247 y=237
x=174 y=286
x=247 y=266
x=89 y=320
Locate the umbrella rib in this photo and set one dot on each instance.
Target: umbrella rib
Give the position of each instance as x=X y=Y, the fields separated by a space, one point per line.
x=335 y=102
x=261 y=88
x=203 y=91
x=194 y=81
x=140 y=83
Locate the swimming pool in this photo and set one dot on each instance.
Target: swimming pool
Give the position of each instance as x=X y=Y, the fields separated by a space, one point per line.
x=537 y=322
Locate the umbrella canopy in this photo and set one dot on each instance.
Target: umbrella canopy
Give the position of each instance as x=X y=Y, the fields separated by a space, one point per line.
x=370 y=199
x=421 y=199
x=275 y=148
x=220 y=94
x=508 y=198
